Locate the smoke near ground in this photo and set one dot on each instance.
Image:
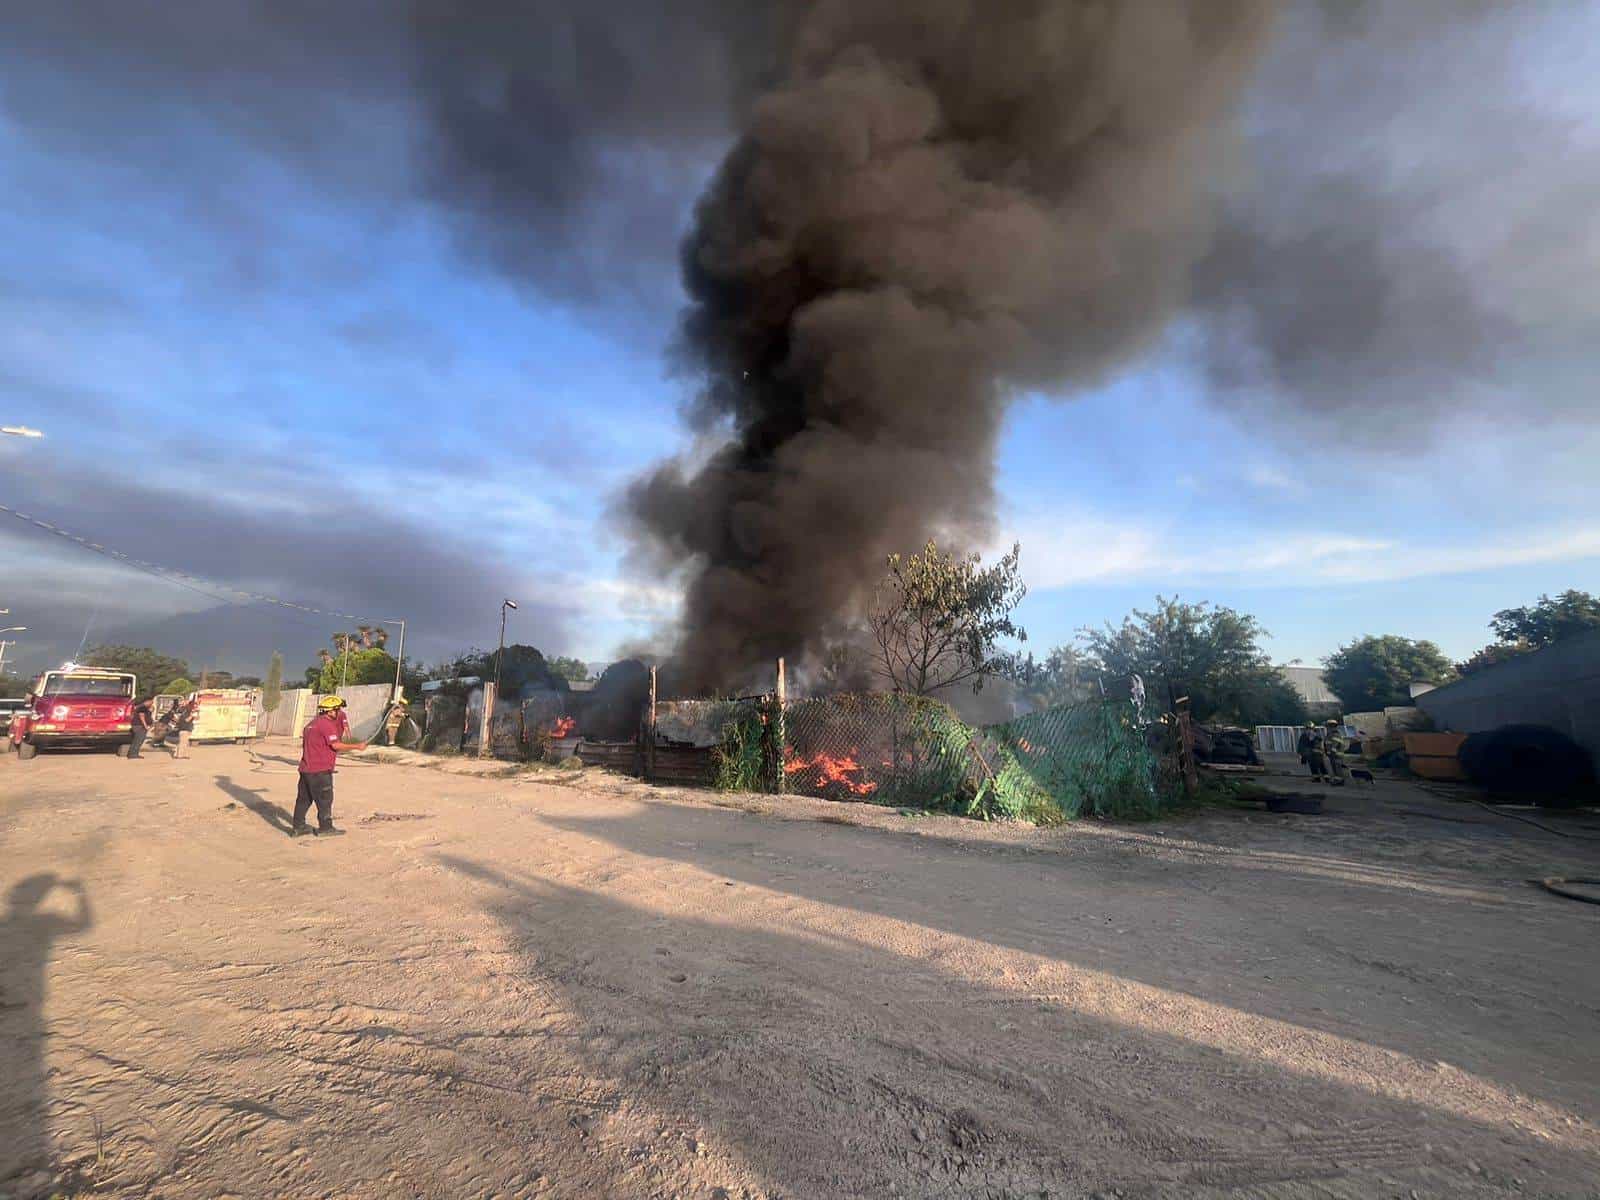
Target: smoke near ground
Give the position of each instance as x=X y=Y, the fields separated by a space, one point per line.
x=932 y=208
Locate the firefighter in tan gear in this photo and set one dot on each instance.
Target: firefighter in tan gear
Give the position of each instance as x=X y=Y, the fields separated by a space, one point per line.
x=1334 y=748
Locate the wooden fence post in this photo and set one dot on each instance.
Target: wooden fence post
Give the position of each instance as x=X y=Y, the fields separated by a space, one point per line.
x=486 y=726
x=650 y=731
x=780 y=732
x=1191 y=777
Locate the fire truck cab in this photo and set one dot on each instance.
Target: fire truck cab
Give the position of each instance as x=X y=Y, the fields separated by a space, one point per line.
x=76 y=708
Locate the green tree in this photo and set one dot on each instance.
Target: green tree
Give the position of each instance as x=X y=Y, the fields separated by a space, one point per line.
x=177 y=687
x=1065 y=676
x=1549 y=620
x=1377 y=672
x=936 y=619
x=362 y=666
x=13 y=686
x=574 y=670
x=1211 y=654
x=155 y=670
x=272 y=690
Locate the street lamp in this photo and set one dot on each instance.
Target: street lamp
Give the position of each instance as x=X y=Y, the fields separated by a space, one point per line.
x=4 y=643
x=501 y=653
x=20 y=431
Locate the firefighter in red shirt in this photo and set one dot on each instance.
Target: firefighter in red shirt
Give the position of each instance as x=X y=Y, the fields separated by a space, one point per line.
x=320 y=745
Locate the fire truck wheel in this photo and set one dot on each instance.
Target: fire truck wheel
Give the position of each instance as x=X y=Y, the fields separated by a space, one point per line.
x=122 y=750
x=26 y=750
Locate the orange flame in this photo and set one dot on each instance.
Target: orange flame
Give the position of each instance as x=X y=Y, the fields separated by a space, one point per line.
x=844 y=772
x=563 y=727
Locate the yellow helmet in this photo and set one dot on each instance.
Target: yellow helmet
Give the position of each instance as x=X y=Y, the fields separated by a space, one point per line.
x=329 y=703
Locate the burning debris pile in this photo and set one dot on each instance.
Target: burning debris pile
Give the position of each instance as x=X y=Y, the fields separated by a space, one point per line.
x=894 y=748
x=930 y=209
x=822 y=773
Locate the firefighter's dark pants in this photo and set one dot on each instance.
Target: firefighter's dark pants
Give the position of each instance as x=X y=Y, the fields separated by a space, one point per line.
x=315 y=789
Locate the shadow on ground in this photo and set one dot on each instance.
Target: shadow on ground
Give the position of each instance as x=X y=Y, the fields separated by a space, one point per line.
x=255 y=799
x=832 y=1063
x=1322 y=940
x=41 y=910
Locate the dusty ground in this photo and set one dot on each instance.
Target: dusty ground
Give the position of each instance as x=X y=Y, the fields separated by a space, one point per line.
x=580 y=986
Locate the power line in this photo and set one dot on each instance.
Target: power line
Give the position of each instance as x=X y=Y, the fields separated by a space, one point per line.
x=183 y=578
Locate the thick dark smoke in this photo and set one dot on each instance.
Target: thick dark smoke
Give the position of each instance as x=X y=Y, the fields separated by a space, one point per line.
x=568 y=135
x=933 y=206
x=1407 y=237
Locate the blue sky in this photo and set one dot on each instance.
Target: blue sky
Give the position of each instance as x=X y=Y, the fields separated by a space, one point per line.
x=279 y=377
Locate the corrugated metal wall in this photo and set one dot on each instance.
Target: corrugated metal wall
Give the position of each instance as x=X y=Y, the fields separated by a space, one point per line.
x=366 y=703
x=1558 y=686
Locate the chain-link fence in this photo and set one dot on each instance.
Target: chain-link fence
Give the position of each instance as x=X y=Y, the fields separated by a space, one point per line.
x=1096 y=758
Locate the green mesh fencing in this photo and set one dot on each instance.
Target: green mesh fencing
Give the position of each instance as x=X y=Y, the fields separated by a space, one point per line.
x=907 y=751
x=1076 y=760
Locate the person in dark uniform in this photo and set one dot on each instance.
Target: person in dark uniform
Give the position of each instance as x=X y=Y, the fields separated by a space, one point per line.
x=143 y=718
x=1310 y=749
x=320 y=745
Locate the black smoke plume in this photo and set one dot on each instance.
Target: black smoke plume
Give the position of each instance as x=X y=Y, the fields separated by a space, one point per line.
x=933 y=207
x=930 y=204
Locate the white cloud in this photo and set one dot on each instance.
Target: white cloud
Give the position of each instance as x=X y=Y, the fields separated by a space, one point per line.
x=1271 y=478
x=1073 y=550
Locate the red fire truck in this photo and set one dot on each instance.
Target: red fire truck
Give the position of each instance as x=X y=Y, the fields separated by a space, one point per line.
x=76 y=708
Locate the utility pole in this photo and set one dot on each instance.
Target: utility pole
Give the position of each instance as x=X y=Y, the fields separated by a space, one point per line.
x=400 y=658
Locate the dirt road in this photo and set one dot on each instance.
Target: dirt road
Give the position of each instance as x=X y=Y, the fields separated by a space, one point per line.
x=579 y=986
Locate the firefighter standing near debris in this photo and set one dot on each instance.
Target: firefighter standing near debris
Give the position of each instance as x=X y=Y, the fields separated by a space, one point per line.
x=320 y=745
x=1333 y=748
x=1310 y=749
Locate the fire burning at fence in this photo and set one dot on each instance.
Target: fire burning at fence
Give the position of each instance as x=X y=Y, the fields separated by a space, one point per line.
x=824 y=771
x=564 y=727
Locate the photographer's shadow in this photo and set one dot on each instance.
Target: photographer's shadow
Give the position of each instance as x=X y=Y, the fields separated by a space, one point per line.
x=28 y=934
